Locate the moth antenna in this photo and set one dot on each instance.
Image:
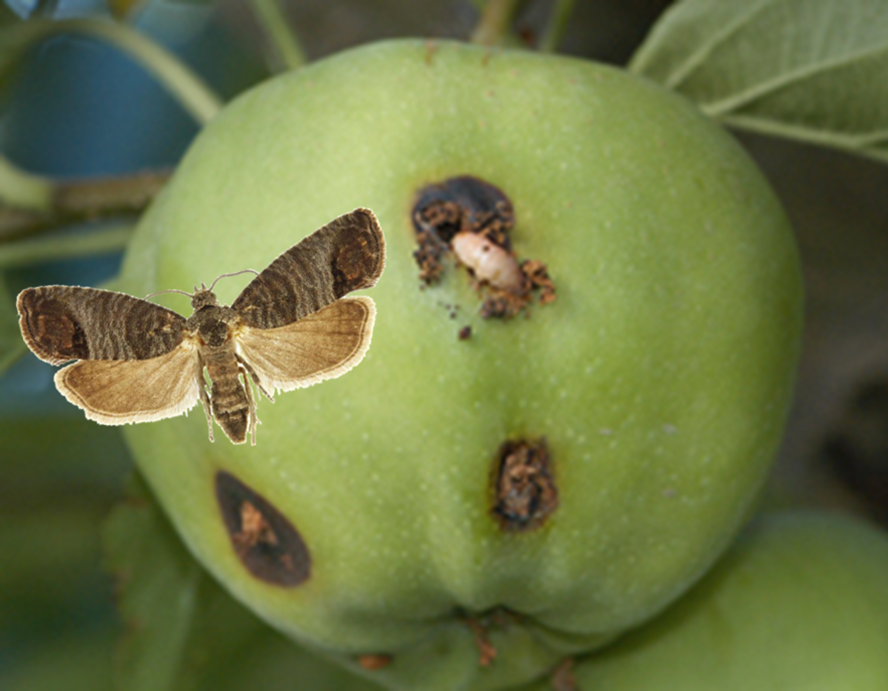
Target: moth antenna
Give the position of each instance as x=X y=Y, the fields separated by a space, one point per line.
x=236 y=273
x=171 y=290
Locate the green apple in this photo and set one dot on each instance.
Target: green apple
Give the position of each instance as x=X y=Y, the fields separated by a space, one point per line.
x=799 y=604
x=641 y=407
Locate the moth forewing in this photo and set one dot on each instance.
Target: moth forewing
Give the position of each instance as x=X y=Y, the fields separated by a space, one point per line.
x=345 y=255
x=64 y=323
x=118 y=392
x=321 y=346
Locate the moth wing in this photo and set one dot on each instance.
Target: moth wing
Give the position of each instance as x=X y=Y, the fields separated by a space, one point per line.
x=64 y=323
x=117 y=392
x=323 y=345
x=345 y=255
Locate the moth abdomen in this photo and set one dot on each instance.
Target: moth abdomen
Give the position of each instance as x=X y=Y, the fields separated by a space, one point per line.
x=230 y=402
x=235 y=423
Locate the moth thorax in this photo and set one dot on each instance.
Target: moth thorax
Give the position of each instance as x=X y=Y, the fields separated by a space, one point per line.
x=203 y=298
x=213 y=331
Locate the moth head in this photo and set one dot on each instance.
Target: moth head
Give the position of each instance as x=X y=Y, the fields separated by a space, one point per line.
x=203 y=298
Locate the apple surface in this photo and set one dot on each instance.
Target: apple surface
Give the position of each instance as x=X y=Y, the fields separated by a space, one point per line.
x=799 y=604
x=519 y=470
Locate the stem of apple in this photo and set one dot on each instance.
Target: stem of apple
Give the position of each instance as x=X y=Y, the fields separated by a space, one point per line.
x=551 y=39
x=282 y=49
x=495 y=22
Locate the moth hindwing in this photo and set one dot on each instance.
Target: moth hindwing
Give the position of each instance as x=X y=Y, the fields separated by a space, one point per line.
x=291 y=327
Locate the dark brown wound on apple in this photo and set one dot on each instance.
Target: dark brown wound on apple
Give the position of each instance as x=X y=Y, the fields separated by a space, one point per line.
x=267 y=544
x=471 y=219
x=345 y=255
x=458 y=204
x=524 y=487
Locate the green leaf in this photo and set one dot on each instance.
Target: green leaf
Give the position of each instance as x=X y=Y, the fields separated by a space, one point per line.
x=184 y=632
x=812 y=70
x=12 y=347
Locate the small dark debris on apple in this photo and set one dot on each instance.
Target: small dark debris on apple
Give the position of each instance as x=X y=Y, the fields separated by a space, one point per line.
x=266 y=543
x=482 y=623
x=471 y=219
x=538 y=276
x=486 y=649
x=524 y=487
x=465 y=333
x=375 y=661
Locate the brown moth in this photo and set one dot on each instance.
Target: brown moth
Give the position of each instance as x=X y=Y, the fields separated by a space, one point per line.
x=290 y=327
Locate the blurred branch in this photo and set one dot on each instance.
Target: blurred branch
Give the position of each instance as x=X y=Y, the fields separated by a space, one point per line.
x=21 y=189
x=282 y=47
x=113 y=238
x=496 y=19
x=190 y=90
x=186 y=86
x=556 y=27
x=72 y=201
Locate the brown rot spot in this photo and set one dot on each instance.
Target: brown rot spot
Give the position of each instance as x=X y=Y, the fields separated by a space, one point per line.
x=470 y=220
x=375 y=661
x=266 y=543
x=524 y=487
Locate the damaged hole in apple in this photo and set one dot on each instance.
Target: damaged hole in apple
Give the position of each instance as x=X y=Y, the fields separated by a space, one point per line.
x=267 y=544
x=524 y=486
x=471 y=219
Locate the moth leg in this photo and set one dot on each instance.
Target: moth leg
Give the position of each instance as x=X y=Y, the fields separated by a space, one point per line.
x=255 y=377
x=204 y=396
x=251 y=402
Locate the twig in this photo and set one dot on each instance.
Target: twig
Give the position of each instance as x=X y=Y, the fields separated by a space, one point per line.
x=82 y=200
x=101 y=241
x=283 y=47
x=556 y=26
x=495 y=22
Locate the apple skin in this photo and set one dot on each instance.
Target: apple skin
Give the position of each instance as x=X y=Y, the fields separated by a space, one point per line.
x=799 y=604
x=659 y=378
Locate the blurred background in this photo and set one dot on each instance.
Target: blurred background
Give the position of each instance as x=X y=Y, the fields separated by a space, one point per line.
x=75 y=107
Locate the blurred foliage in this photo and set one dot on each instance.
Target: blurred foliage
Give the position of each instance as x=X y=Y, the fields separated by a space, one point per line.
x=11 y=344
x=59 y=477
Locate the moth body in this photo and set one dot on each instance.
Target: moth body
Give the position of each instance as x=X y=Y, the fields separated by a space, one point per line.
x=291 y=327
x=231 y=405
x=213 y=327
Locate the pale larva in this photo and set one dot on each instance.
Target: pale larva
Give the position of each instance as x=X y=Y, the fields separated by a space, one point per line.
x=489 y=262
